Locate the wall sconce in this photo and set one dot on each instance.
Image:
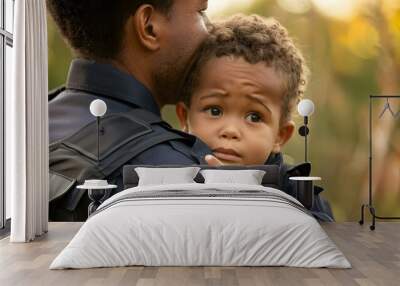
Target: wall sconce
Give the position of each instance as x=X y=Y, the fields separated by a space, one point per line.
x=306 y=109
x=98 y=108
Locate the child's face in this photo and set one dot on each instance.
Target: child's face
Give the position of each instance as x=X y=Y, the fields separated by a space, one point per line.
x=236 y=111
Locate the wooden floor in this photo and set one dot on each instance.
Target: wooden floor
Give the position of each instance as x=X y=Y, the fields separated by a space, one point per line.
x=375 y=257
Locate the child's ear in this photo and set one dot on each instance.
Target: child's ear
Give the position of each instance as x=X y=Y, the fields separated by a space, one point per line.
x=182 y=113
x=285 y=133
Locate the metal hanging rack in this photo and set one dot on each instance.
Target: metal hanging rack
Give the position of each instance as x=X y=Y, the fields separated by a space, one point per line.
x=370 y=204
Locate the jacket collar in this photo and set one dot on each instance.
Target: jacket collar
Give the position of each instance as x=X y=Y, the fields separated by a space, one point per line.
x=274 y=159
x=106 y=80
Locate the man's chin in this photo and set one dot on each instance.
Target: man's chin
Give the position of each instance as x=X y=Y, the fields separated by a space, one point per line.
x=168 y=84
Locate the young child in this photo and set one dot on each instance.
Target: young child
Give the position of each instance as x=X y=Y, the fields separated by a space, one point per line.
x=242 y=88
x=238 y=97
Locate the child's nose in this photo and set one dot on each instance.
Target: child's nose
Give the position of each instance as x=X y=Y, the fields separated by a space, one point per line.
x=230 y=132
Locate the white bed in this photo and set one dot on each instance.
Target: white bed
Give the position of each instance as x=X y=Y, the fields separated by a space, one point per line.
x=222 y=225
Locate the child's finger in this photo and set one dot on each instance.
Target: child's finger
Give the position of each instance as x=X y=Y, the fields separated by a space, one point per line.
x=213 y=161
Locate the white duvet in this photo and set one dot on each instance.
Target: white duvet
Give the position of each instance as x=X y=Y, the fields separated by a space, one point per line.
x=185 y=230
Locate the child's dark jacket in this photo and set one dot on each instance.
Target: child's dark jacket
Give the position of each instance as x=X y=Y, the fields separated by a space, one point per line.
x=321 y=208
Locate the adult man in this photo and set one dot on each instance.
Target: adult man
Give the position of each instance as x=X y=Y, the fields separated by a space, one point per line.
x=132 y=54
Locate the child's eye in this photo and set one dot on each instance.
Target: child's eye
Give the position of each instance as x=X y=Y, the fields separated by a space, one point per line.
x=214 y=111
x=254 y=117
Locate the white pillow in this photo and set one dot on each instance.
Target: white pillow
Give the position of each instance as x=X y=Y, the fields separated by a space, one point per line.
x=248 y=177
x=163 y=176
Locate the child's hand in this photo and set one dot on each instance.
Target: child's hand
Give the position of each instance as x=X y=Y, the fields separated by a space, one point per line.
x=213 y=161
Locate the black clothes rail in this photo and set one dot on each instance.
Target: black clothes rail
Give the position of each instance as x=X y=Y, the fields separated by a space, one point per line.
x=370 y=204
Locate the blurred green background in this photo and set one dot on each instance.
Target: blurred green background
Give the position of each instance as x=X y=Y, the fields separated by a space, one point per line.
x=353 y=50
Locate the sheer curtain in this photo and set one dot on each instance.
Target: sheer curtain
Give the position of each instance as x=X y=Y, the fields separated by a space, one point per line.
x=27 y=124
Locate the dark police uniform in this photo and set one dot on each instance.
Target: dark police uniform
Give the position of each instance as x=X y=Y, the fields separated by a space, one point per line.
x=69 y=113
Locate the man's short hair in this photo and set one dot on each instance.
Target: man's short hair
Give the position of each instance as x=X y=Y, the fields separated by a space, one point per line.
x=255 y=39
x=95 y=28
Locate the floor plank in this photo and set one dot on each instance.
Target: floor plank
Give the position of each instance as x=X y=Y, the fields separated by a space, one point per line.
x=375 y=257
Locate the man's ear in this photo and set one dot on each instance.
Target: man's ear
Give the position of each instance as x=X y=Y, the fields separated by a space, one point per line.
x=182 y=113
x=148 y=24
x=285 y=133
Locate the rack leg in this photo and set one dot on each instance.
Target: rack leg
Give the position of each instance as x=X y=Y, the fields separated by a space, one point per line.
x=361 y=222
x=372 y=210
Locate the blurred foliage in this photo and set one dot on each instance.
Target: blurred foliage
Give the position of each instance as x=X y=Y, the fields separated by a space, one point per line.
x=350 y=58
x=59 y=56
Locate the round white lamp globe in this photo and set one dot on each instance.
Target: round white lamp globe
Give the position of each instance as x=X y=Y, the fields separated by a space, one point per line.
x=305 y=107
x=98 y=107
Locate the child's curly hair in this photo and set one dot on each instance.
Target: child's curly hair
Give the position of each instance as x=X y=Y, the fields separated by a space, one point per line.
x=256 y=39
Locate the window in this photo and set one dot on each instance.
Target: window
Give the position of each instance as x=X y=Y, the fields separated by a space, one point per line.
x=6 y=44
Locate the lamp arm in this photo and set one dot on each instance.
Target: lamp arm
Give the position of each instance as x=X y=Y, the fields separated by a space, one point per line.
x=305 y=139
x=98 y=140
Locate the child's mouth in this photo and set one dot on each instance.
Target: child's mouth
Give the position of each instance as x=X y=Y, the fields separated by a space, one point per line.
x=227 y=154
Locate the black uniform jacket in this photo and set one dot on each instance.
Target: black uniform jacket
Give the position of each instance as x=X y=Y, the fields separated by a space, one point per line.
x=69 y=112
